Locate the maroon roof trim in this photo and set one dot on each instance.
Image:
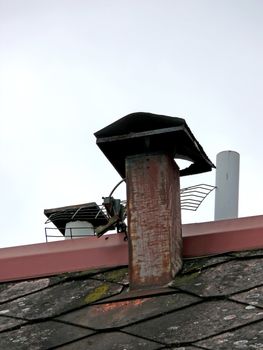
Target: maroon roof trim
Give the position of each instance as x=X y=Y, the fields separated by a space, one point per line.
x=46 y=259
x=216 y=237
x=52 y=258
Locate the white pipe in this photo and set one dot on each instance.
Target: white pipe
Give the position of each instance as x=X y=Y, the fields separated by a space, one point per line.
x=227 y=185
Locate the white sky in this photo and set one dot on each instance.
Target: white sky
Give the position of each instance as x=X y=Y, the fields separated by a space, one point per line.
x=70 y=67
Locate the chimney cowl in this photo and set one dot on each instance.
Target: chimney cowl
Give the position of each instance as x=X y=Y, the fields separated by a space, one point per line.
x=142 y=132
x=142 y=148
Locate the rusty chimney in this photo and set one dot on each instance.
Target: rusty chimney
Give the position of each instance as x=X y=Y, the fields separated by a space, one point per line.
x=142 y=148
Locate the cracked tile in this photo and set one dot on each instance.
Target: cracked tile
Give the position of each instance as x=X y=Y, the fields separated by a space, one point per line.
x=183 y=348
x=14 y=290
x=194 y=265
x=122 y=313
x=195 y=322
x=41 y=336
x=59 y=299
x=8 y=322
x=116 y=275
x=248 y=253
x=253 y=296
x=248 y=337
x=112 y=341
x=224 y=279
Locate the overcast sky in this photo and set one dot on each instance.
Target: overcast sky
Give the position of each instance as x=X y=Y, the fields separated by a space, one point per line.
x=70 y=67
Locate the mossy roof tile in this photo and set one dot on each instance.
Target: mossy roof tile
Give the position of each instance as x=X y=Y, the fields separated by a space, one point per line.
x=122 y=313
x=214 y=303
x=224 y=279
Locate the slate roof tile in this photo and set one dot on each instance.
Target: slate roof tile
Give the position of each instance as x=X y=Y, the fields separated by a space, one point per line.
x=113 y=341
x=9 y=291
x=183 y=348
x=248 y=337
x=117 y=275
x=224 y=279
x=41 y=336
x=214 y=303
x=122 y=313
x=196 y=322
x=58 y=299
x=248 y=253
x=253 y=297
x=199 y=264
x=9 y=323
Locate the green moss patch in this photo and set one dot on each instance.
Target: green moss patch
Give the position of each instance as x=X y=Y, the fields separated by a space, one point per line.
x=97 y=294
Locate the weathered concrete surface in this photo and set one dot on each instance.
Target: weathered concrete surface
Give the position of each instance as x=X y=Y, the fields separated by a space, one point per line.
x=154 y=219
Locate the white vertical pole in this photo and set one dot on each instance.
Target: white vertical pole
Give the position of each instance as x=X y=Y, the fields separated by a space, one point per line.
x=227 y=185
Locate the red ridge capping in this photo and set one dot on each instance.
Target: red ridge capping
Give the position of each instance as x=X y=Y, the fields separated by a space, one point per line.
x=45 y=259
x=216 y=237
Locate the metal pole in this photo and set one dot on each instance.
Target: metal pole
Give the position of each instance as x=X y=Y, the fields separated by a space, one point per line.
x=227 y=185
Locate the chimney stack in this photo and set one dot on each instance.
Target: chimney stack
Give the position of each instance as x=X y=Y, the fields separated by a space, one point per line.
x=142 y=148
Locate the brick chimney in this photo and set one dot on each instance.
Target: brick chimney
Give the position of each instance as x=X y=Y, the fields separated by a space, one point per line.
x=142 y=148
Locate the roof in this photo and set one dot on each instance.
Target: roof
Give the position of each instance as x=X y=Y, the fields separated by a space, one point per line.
x=142 y=132
x=214 y=303
x=111 y=250
x=90 y=212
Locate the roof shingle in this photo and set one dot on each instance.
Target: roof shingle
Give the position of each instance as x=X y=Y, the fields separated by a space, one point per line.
x=214 y=303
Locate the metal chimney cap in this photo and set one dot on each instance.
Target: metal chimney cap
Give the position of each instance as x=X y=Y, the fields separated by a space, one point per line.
x=141 y=132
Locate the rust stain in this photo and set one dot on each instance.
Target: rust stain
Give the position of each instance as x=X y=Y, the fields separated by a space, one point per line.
x=154 y=219
x=120 y=304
